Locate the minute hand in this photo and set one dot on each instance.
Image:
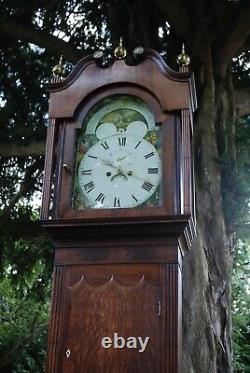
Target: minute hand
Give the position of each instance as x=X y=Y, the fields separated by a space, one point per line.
x=132 y=174
x=109 y=163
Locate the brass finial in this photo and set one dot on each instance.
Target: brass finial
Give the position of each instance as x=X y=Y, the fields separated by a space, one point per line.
x=58 y=70
x=120 y=52
x=183 y=59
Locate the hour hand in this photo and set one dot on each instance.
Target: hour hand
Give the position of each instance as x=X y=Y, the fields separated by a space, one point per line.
x=131 y=173
x=121 y=159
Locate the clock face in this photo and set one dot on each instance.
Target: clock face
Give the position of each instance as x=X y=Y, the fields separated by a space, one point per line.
x=118 y=162
x=120 y=171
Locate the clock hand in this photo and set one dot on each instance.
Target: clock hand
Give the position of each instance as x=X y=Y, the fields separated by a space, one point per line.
x=131 y=173
x=138 y=177
x=119 y=173
x=122 y=158
x=109 y=163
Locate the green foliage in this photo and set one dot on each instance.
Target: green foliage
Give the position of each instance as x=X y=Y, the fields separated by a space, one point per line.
x=25 y=251
x=241 y=70
x=27 y=256
x=24 y=304
x=236 y=200
x=23 y=331
x=241 y=307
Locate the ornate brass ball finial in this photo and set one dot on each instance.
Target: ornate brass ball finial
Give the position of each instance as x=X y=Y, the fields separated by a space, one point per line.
x=58 y=70
x=183 y=59
x=120 y=52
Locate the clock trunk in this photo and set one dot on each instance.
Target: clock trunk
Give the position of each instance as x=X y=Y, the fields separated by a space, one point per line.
x=117 y=280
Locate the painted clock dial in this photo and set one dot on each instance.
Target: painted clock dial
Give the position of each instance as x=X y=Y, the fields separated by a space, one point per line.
x=120 y=171
x=119 y=163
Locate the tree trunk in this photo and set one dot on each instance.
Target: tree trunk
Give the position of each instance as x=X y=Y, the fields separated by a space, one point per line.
x=207 y=267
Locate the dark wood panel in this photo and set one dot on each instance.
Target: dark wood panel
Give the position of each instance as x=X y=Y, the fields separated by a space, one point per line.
x=48 y=169
x=59 y=168
x=56 y=318
x=119 y=270
x=173 y=89
x=170 y=230
x=92 y=255
x=132 y=300
x=107 y=300
x=172 y=363
x=169 y=161
x=170 y=164
x=121 y=89
x=186 y=164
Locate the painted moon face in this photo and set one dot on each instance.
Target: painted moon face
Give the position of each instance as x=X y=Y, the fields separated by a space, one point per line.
x=137 y=128
x=105 y=130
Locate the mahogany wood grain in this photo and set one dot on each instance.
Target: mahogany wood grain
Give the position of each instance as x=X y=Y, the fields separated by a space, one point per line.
x=170 y=169
x=56 y=318
x=61 y=126
x=130 y=300
x=48 y=170
x=186 y=164
x=178 y=196
x=174 y=90
x=81 y=233
x=122 y=255
x=119 y=270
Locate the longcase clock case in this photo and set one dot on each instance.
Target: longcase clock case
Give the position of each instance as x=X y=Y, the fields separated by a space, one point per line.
x=119 y=270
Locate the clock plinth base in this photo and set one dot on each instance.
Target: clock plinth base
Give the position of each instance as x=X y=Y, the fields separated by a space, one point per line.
x=123 y=286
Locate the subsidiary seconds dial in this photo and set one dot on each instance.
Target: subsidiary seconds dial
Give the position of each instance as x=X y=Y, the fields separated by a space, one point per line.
x=120 y=171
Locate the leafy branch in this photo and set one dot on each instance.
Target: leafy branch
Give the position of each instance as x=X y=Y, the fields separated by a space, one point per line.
x=26 y=186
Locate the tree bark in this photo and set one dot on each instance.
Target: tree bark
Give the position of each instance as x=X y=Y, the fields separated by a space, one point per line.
x=207 y=267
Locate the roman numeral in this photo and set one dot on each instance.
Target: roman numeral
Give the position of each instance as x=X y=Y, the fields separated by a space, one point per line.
x=149 y=155
x=100 y=198
x=105 y=145
x=134 y=197
x=122 y=141
x=137 y=144
x=117 y=202
x=89 y=186
x=147 y=186
x=153 y=170
x=92 y=156
x=86 y=172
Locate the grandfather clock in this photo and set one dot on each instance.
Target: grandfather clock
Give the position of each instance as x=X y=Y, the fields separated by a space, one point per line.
x=118 y=200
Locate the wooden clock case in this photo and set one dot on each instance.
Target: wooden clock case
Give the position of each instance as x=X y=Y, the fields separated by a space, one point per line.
x=119 y=270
